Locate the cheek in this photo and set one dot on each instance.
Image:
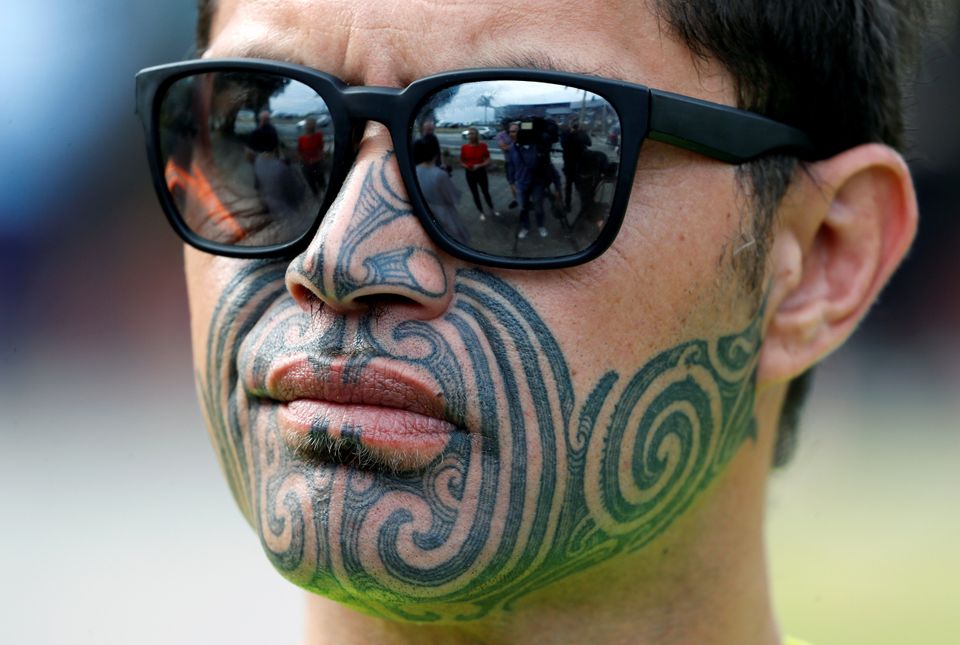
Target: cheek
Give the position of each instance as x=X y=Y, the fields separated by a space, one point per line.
x=666 y=279
x=207 y=277
x=681 y=218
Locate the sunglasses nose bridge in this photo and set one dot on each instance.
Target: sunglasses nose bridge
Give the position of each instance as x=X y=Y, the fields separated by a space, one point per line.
x=381 y=104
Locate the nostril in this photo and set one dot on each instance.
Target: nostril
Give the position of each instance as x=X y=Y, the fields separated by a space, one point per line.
x=307 y=299
x=385 y=300
x=376 y=304
x=379 y=304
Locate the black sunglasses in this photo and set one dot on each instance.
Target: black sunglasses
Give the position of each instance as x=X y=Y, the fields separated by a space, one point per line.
x=247 y=155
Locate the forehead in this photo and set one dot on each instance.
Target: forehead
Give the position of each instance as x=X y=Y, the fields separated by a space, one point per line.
x=393 y=42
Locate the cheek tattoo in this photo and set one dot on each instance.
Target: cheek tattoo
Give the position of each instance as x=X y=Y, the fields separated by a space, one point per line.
x=537 y=481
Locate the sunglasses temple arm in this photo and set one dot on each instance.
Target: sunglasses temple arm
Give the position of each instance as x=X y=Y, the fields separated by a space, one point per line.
x=722 y=132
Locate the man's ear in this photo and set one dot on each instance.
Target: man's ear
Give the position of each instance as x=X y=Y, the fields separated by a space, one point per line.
x=844 y=226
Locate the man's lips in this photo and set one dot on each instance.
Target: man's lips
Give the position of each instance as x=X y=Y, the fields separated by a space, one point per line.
x=374 y=383
x=370 y=436
x=379 y=413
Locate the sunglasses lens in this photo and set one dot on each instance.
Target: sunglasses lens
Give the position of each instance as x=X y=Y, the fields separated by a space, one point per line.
x=245 y=156
x=517 y=169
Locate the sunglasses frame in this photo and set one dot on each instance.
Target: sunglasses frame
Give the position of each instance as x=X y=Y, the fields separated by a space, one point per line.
x=718 y=131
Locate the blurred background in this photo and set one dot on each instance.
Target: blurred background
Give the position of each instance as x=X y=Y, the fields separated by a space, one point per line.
x=117 y=526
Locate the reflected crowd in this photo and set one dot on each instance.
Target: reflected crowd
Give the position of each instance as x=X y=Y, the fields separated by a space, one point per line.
x=544 y=185
x=240 y=170
x=248 y=158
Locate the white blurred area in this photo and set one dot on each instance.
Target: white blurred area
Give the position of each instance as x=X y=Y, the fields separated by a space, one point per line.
x=863 y=523
x=117 y=526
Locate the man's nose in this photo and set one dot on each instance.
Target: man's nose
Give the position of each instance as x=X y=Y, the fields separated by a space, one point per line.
x=370 y=251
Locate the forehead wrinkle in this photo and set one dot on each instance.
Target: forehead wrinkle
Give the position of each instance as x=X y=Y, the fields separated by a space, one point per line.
x=361 y=43
x=511 y=57
x=488 y=49
x=394 y=42
x=267 y=51
x=254 y=29
x=542 y=60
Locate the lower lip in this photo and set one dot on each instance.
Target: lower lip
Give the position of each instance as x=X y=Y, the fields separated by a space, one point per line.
x=398 y=439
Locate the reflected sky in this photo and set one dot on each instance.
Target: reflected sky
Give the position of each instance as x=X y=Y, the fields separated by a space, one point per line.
x=464 y=107
x=297 y=98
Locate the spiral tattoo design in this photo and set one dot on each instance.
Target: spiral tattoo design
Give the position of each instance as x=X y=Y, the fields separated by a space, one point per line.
x=547 y=485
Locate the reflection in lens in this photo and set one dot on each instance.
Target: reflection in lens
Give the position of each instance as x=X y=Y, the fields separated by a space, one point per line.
x=518 y=169
x=246 y=156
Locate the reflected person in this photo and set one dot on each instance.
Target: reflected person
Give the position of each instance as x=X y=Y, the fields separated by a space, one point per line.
x=505 y=138
x=573 y=142
x=475 y=157
x=532 y=173
x=310 y=146
x=278 y=186
x=429 y=138
x=439 y=191
x=264 y=138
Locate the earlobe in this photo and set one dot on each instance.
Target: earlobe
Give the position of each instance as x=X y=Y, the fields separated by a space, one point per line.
x=844 y=227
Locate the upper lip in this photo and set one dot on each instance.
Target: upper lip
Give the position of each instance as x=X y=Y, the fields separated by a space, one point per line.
x=379 y=382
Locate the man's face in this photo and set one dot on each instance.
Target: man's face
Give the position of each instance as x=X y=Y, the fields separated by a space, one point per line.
x=429 y=440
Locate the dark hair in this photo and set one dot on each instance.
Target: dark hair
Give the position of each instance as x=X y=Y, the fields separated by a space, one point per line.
x=205 y=11
x=833 y=68
x=423 y=152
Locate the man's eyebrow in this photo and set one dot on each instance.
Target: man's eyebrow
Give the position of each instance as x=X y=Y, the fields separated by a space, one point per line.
x=546 y=62
x=266 y=51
